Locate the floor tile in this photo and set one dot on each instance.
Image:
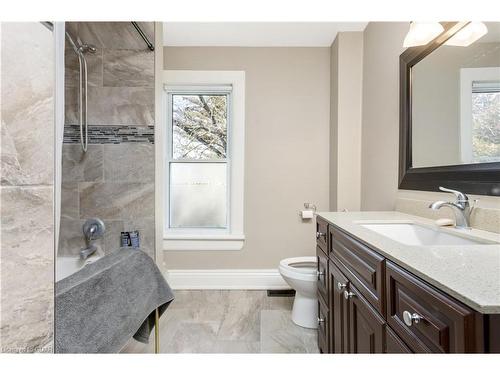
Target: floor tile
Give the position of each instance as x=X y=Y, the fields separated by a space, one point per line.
x=280 y=335
x=228 y=321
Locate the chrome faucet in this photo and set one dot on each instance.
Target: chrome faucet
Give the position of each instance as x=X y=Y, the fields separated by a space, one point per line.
x=92 y=230
x=461 y=207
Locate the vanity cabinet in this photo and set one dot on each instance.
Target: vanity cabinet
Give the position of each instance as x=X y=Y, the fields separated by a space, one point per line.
x=368 y=304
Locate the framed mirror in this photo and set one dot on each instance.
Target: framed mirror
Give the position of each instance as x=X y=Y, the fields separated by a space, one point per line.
x=450 y=114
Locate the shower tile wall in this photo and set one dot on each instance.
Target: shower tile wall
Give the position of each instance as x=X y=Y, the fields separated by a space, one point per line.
x=114 y=180
x=27 y=161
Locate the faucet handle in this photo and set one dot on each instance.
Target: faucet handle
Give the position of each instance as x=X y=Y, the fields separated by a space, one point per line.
x=461 y=197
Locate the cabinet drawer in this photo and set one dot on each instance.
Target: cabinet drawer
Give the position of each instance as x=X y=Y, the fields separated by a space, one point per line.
x=323 y=326
x=445 y=325
x=322 y=274
x=364 y=267
x=322 y=234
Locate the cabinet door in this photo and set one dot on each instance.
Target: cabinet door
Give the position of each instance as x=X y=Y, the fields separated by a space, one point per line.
x=393 y=344
x=338 y=310
x=322 y=274
x=323 y=326
x=366 y=327
x=322 y=234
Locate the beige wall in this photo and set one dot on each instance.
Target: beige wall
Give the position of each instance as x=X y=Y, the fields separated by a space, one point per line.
x=286 y=149
x=346 y=77
x=382 y=45
x=334 y=125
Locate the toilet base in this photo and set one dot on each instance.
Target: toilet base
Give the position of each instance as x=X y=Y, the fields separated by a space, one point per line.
x=305 y=311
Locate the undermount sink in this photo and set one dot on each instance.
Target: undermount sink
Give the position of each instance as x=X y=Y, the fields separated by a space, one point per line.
x=419 y=235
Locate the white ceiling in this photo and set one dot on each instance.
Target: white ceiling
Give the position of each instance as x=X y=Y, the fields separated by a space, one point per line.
x=255 y=34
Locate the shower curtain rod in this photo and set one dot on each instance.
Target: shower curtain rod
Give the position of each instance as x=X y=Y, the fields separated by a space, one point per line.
x=50 y=26
x=143 y=36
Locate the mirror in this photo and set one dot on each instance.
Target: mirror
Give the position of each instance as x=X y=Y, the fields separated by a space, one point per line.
x=455 y=103
x=450 y=113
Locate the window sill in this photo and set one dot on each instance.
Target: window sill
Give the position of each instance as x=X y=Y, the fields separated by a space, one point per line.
x=180 y=242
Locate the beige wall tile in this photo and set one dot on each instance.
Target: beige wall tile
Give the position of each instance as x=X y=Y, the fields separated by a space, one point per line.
x=128 y=68
x=116 y=201
x=129 y=162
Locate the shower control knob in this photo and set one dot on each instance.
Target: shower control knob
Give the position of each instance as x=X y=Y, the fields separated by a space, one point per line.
x=341 y=286
x=320 y=234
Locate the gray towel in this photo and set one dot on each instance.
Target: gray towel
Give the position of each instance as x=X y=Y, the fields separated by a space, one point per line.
x=99 y=308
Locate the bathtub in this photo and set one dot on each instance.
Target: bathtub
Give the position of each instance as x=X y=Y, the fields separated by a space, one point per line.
x=66 y=266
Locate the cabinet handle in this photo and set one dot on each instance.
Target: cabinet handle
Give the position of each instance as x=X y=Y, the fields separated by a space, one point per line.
x=319 y=274
x=411 y=319
x=348 y=295
x=320 y=234
x=320 y=320
x=341 y=286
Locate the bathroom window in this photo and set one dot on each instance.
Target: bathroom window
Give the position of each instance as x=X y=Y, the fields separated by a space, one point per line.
x=198 y=178
x=480 y=114
x=203 y=160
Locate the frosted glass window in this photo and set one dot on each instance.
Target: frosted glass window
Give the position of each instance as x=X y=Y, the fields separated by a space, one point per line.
x=199 y=126
x=198 y=195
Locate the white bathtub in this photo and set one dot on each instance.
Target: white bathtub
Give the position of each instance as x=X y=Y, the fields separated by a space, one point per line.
x=66 y=266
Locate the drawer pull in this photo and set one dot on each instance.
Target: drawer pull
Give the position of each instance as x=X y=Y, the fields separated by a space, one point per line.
x=341 y=286
x=320 y=320
x=348 y=295
x=411 y=319
x=320 y=234
x=319 y=274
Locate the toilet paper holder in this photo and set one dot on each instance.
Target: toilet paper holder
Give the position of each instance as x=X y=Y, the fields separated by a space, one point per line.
x=308 y=212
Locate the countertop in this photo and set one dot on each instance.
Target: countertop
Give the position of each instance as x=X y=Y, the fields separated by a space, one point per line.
x=469 y=273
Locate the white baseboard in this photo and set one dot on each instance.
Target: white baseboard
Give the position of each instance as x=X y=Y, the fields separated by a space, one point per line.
x=226 y=279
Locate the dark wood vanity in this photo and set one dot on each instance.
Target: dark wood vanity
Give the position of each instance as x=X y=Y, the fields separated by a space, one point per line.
x=369 y=304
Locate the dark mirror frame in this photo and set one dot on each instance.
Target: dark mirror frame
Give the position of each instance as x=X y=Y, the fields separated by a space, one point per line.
x=480 y=178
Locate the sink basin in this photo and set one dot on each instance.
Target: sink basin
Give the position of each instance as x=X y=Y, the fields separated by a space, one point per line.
x=419 y=235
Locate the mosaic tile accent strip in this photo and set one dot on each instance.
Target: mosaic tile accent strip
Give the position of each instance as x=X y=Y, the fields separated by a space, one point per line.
x=111 y=134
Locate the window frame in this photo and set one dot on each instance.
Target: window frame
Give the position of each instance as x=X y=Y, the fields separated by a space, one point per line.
x=169 y=156
x=232 y=237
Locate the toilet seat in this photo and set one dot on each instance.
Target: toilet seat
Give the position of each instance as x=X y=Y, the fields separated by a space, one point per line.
x=300 y=268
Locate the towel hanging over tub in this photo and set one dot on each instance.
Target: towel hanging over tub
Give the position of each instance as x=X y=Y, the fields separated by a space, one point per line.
x=99 y=308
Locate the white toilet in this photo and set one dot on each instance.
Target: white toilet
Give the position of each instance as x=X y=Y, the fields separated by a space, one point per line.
x=301 y=274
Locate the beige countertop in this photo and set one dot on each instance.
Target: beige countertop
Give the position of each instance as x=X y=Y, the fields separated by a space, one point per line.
x=469 y=273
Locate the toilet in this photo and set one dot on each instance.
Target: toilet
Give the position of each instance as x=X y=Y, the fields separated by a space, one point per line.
x=301 y=274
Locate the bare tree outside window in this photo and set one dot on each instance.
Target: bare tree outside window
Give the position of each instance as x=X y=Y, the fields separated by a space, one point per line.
x=486 y=127
x=199 y=126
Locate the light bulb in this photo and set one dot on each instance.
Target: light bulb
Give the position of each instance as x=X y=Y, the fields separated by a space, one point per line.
x=468 y=34
x=421 y=33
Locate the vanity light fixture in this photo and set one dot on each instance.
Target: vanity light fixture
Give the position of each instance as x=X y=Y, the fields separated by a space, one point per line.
x=421 y=33
x=468 y=35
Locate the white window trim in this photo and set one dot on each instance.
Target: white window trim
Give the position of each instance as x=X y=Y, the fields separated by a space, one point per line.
x=234 y=238
x=467 y=77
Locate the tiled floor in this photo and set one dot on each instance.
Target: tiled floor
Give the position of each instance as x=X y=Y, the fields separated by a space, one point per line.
x=229 y=321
